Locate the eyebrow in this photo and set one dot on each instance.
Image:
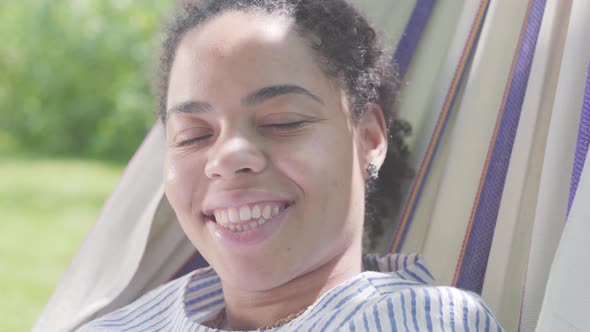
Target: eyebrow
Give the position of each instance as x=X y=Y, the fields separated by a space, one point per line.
x=192 y=106
x=274 y=91
x=255 y=98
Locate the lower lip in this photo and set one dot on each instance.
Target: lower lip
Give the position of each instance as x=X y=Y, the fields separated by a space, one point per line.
x=250 y=237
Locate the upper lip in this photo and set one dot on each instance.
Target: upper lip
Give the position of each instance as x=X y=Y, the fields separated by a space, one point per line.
x=235 y=199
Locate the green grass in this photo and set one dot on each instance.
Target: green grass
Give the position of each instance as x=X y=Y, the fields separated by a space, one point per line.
x=46 y=208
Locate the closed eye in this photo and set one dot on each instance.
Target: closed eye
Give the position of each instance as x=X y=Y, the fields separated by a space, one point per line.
x=287 y=125
x=192 y=140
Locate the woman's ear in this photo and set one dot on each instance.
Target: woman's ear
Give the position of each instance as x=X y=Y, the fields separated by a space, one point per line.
x=372 y=136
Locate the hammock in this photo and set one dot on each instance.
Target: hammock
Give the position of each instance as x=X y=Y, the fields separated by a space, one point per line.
x=494 y=92
x=566 y=303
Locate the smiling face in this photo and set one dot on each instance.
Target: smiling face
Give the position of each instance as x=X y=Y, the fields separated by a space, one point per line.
x=263 y=167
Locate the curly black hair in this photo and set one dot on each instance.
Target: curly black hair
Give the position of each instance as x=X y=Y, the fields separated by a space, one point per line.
x=349 y=51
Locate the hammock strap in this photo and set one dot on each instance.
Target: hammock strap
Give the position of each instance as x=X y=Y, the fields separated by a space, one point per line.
x=417 y=185
x=582 y=144
x=475 y=250
x=408 y=43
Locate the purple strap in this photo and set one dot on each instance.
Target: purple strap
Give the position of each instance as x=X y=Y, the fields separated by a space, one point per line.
x=409 y=42
x=471 y=270
x=403 y=226
x=582 y=144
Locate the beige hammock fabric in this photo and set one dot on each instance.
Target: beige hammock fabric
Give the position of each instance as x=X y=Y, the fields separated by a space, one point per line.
x=136 y=243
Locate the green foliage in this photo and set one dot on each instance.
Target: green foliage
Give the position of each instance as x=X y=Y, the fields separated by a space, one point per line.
x=76 y=74
x=47 y=207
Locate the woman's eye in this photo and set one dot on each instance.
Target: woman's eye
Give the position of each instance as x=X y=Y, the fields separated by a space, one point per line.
x=193 y=140
x=191 y=136
x=286 y=126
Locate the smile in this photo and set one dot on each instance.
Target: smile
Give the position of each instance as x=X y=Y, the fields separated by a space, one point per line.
x=248 y=217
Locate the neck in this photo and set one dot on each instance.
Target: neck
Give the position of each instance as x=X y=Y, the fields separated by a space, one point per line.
x=252 y=310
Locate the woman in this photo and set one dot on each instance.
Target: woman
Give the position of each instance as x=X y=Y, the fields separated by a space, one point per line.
x=277 y=115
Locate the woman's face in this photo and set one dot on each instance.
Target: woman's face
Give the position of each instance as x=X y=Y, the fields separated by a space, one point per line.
x=263 y=167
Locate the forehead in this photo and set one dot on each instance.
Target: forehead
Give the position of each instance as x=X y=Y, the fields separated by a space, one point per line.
x=238 y=53
x=236 y=31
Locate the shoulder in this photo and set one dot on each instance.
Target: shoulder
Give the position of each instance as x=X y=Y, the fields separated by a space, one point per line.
x=406 y=299
x=427 y=308
x=390 y=302
x=151 y=308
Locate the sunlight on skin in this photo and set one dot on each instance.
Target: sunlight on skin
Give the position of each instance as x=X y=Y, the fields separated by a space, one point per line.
x=214 y=132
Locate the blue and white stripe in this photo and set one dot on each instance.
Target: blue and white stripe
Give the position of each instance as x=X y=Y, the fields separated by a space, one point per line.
x=392 y=295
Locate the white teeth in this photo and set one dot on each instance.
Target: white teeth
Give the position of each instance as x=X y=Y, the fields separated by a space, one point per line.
x=266 y=212
x=256 y=213
x=233 y=215
x=223 y=217
x=245 y=227
x=244 y=213
x=245 y=218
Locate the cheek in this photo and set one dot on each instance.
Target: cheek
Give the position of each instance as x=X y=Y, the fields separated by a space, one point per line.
x=320 y=167
x=180 y=178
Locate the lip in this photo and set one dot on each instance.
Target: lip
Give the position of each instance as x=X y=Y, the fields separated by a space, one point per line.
x=235 y=199
x=250 y=237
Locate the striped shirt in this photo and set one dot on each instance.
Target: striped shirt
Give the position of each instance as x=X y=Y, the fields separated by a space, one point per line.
x=393 y=294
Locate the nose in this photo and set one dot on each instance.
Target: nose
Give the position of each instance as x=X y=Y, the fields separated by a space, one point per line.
x=234 y=155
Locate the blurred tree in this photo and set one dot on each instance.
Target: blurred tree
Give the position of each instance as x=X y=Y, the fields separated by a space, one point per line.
x=75 y=75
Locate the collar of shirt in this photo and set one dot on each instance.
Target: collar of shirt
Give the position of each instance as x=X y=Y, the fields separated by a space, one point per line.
x=203 y=296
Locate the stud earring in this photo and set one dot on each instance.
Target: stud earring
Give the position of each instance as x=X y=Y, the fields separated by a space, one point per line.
x=373 y=171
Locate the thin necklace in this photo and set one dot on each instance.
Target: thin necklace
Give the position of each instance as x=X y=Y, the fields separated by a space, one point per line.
x=218 y=321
